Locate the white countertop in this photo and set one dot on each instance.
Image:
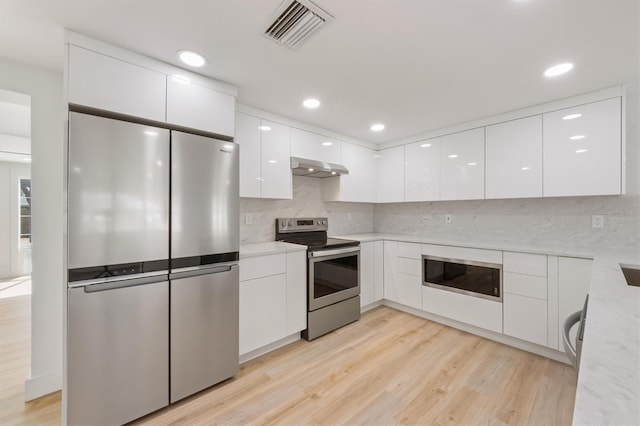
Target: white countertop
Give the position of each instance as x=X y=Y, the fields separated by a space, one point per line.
x=608 y=390
x=269 y=247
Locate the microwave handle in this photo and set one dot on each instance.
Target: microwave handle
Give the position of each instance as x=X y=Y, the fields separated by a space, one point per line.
x=569 y=349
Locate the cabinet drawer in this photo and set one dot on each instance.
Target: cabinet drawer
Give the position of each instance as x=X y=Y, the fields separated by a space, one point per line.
x=409 y=266
x=410 y=250
x=525 y=285
x=525 y=263
x=525 y=318
x=262 y=266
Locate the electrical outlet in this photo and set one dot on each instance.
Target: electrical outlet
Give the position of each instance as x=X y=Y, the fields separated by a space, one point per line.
x=448 y=218
x=597 y=221
x=248 y=219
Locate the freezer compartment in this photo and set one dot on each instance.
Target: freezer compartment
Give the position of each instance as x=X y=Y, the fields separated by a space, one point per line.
x=118 y=198
x=118 y=339
x=204 y=200
x=204 y=329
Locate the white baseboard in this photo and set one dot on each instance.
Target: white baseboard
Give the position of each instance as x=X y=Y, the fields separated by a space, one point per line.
x=487 y=334
x=370 y=306
x=270 y=347
x=35 y=387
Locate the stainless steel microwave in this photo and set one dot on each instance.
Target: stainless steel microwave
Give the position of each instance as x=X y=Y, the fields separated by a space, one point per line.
x=479 y=279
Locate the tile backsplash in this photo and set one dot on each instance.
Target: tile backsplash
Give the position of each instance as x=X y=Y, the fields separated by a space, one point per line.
x=554 y=222
x=344 y=218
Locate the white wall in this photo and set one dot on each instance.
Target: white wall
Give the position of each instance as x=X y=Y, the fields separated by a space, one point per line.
x=45 y=89
x=344 y=218
x=9 y=174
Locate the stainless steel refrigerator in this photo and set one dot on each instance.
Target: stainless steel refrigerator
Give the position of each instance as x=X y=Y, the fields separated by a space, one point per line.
x=152 y=307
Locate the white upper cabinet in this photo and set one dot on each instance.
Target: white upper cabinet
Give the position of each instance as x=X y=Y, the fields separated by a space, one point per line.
x=514 y=159
x=462 y=165
x=248 y=137
x=359 y=184
x=582 y=150
x=314 y=146
x=103 y=82
x=422 y=171
x=390 y=174
x=265 y=170
x=275 y=160
x=198 y=107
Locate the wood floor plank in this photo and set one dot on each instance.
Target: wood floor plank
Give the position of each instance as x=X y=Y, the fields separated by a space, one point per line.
x=388 y=368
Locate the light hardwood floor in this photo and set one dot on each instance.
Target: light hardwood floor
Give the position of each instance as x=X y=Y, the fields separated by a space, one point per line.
x=388 y=368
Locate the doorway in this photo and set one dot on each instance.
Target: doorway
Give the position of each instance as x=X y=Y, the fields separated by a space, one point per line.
x=15 y=194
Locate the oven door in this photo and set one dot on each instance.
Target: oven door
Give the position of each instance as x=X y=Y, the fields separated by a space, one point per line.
x=334 y=275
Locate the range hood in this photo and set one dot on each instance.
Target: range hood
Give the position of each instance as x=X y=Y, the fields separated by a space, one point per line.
x=314 y=168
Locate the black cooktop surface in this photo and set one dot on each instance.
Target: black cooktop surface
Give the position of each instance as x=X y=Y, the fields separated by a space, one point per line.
x=316 y=240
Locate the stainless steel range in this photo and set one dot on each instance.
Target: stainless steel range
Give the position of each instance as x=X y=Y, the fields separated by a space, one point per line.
x=333 y=274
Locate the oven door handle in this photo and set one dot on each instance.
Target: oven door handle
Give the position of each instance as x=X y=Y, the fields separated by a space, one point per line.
x=325 y=253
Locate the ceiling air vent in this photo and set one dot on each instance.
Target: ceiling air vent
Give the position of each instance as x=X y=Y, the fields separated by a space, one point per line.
x=294 y=21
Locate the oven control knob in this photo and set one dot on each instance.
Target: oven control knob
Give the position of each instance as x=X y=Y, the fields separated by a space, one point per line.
x=324 y=222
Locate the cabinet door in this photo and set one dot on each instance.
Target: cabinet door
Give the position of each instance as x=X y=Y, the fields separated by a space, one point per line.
x=296 y=292
x=378 y=293
x=367 y=188
x=462 y=165
x=263 y=312
x=349 y=183
x=582 y=150
x=422 y=171
x=574 y=279
x=276 y=167
x=314 y=146
x=198 y=107
x=248 y=137
x=367 y=273
x=106 y=83
x=391 y=175
x=514 y=159
x=409 y=290
x=391 y=270
x=525 y=318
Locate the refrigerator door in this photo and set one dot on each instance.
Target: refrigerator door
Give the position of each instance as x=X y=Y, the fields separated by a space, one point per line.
x=204 y=329
x=118 y=198
x=204 y=200
x=117 y=352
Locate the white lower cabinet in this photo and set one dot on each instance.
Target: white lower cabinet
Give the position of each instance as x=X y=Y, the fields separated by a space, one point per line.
x=574 y=279
x=371 y=275
x=272 y=299
x=524 y=284
x=402 y=272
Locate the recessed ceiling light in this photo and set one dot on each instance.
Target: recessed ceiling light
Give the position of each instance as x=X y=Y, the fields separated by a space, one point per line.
x=191 y=58
x=425 y=145
x=472 y=164
x=571 y=116
x=453 y=156
x=558 y=69
x=378 y=127
x=264 y=128
x=180 y=79
x=327 y=143
x=577 y=137
x=525 y=168
x=580 y=151
x=311 y=103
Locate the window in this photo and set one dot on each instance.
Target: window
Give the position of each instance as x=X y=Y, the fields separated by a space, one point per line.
x=25 y=212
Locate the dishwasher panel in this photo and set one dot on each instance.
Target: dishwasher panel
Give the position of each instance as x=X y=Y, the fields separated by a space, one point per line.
x=204 y=329
x=117 y=353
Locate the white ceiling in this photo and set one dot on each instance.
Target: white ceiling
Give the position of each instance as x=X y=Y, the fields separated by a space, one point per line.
x=415 y=65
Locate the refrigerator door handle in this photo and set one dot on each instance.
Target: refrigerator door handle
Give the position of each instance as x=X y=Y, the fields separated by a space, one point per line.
x=113 y=285
x=201 y=271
